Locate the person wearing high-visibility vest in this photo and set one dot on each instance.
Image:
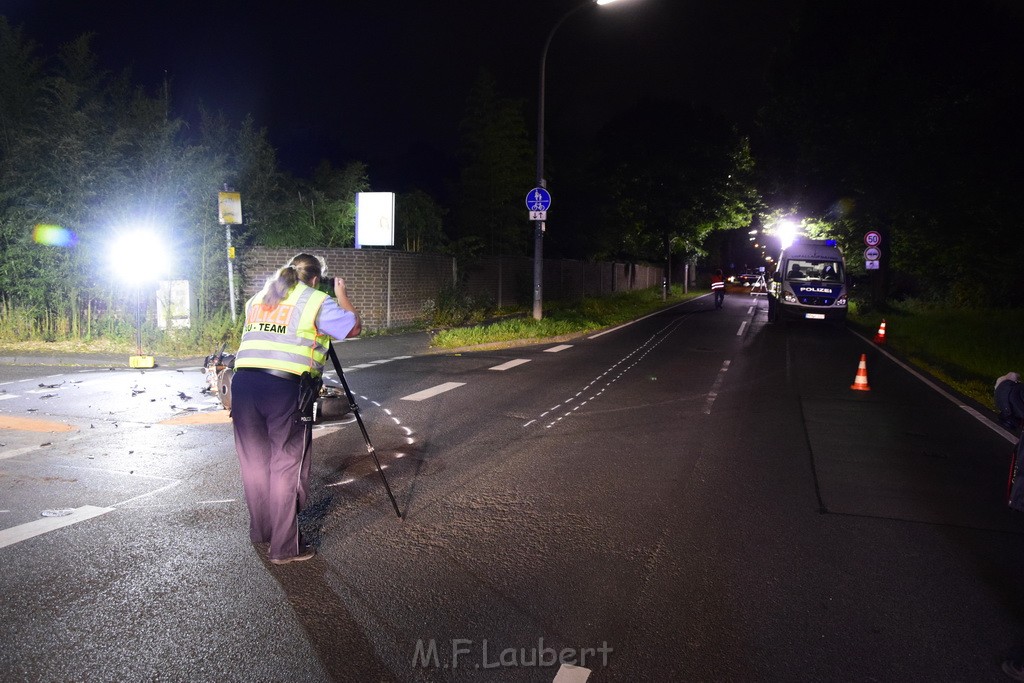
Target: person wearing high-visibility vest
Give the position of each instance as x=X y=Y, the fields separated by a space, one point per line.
x=718 y=288
x=288 y=326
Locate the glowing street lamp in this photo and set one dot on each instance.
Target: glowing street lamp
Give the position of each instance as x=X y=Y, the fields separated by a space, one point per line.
x=137 y=257
x=786 y=228
x=538 y=234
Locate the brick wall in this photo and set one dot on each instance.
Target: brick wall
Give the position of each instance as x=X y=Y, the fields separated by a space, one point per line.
x=389 y=287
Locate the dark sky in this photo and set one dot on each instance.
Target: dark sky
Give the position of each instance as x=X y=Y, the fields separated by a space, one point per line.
x=370 y=79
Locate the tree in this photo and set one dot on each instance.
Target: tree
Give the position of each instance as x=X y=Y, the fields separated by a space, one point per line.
x=321 y=212
x=419 y=222
x=903 y=117
x=671 y=174
x=497 y=170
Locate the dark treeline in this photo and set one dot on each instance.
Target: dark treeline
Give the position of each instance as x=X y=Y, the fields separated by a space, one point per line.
x=904 y=117
x=898 y=117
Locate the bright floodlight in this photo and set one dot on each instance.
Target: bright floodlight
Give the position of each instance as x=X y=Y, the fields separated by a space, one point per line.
x=786 y=229
x=137 y=255
x=604 y=2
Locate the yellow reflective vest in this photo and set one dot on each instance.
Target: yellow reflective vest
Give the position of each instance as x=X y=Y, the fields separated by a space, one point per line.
x=284 y=337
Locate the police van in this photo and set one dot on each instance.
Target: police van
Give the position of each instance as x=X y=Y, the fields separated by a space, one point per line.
x=810 y=283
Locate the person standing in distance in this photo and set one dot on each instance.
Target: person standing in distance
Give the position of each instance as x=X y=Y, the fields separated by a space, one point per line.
x=718 y=288
x=288 y=326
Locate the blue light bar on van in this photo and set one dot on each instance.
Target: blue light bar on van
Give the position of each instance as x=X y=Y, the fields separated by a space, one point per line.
x=830 y=243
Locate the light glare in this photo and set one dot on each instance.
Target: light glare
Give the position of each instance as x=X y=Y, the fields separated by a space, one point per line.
x=137 y=255
x=787 y=232
x=54 y=236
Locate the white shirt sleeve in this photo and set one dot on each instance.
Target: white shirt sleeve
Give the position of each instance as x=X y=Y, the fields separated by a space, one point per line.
x=334 y=320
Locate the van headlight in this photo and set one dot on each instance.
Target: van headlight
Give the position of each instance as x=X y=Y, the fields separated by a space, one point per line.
x=841 y=301
x=788 y=297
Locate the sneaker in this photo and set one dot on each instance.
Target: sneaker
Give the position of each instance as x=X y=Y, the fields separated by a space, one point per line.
x=305 y=553
x=1014 y=668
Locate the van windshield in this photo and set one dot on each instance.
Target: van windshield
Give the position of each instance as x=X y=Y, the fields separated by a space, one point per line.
x=815 y=270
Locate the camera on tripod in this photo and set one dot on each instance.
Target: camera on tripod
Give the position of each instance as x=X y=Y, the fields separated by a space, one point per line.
x=326 y=285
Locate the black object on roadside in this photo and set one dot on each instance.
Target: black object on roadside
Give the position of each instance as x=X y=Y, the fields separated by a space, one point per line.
x=362 y=427
x=1015 y=481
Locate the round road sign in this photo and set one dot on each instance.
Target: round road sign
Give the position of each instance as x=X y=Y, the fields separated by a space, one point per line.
x=873 y=238
x=872 y=254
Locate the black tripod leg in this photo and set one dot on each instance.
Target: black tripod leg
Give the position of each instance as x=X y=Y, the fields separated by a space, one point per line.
x=362 y=427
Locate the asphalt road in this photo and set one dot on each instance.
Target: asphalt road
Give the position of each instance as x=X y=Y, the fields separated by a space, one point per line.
x=695 y=496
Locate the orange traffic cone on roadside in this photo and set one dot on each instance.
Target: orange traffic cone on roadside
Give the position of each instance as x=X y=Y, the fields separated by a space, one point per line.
x=880 y=335
x=860 y=382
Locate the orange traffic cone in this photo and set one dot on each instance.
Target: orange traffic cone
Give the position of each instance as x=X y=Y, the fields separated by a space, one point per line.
x=860 y=382
x=880 y=335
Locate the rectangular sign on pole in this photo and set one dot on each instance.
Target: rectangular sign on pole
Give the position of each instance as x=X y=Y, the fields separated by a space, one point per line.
x=229 y=208
x=375 y=219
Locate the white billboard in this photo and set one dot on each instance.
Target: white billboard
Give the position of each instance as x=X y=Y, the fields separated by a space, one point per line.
x=375 y=219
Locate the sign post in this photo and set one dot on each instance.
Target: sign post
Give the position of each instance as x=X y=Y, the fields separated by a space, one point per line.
x=873 y=261
x=537 y=202
x=229 y=212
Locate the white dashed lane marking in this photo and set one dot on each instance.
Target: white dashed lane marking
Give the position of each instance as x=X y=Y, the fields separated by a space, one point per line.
x=556 y=349
x=569 y=673
x=511 y=364
x=433 y=391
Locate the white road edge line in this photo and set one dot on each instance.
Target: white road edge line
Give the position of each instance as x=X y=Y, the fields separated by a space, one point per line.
x=940 y=391
x=601 y=334
x=511 y=364
x=23 y=532
x=433 y=391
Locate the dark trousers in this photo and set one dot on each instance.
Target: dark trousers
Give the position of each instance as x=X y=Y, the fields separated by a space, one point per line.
x=273 y=456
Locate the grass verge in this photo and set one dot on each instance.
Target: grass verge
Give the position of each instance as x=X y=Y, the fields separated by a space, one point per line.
x=967 y=349
x=562 y=319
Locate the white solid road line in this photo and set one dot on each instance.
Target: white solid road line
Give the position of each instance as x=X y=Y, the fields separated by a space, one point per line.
x=556 y=349
x=23 y=532
x=433 y=391
x=511 y=364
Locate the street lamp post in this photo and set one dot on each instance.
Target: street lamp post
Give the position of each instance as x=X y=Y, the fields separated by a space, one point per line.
x=538 y=233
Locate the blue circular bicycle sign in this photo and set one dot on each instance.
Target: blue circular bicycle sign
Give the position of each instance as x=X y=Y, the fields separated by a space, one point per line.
x=538 y=199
